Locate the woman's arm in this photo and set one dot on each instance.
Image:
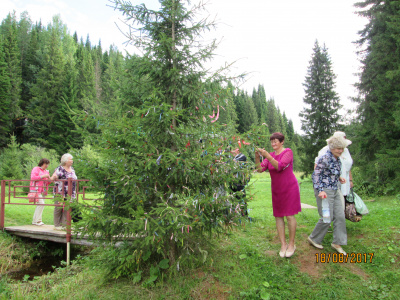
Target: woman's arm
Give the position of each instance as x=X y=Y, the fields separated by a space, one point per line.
x=35 y=173
x=268 y=156
x=351 y=180
x=258 y=163
x=317 y=176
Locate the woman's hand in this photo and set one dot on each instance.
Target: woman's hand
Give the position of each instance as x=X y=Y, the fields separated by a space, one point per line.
x=322 y=195
x=260 y=151
x=342 y=180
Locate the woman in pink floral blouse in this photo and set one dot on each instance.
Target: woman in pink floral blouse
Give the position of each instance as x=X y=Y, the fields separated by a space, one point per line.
x=39 y=184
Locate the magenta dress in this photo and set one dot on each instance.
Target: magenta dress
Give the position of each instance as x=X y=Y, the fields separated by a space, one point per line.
x=284 y=185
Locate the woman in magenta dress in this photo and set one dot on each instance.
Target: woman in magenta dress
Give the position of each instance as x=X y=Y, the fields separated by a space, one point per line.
x=285 y=189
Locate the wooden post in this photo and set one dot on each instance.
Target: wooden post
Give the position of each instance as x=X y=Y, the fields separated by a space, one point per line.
x=3 y=203
x=68 y=236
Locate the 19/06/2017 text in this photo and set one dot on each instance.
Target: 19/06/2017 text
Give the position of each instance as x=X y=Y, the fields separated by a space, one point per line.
x=355 y=258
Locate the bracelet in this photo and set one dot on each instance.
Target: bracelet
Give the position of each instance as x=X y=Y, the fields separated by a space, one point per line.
x=351 y=180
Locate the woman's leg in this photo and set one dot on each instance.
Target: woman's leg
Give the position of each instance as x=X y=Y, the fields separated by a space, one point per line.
x=57 y=215
x=37 y=216
x=280 y=226
x=339 y=222
x=292 y=224
x=320 y=228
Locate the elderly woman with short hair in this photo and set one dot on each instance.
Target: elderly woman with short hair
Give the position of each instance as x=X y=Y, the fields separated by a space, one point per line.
x=325 y=178
x=64 y=171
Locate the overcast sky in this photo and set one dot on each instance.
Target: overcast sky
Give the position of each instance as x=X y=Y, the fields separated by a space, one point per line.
x=272 y=40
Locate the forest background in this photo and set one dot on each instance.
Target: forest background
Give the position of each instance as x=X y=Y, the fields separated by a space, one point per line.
x=48 y=76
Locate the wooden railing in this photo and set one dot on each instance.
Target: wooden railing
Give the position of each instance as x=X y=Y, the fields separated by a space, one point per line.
x=11 y=191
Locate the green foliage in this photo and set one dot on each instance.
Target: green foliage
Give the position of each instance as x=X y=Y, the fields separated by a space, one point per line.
x=225 y=275
x=164 y=171
x=320 y=116
x=377 y=131
x=31 y=155
x=13 y=60
x=17 y=162
x=5 y=87
x=11 y=158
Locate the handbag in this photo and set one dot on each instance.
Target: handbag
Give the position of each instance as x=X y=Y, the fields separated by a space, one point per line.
x=350 y=212
x=33 y=194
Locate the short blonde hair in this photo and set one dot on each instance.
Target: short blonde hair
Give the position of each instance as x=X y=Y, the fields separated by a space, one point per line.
x=66 y=157
x=337 y=142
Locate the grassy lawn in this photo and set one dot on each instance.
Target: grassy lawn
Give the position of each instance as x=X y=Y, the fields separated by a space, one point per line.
x=16 y=215
x=245 y=264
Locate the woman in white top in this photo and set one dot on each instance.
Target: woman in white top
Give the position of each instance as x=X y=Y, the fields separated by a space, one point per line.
x=346 y=161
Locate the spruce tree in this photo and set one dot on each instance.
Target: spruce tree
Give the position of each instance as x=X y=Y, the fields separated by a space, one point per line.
x=164 y=170
x=272 y=116
x=319 y=118
x=13 y=60
x=378 y=134
x=5 y=86
x=47 y=93
x=260 y=103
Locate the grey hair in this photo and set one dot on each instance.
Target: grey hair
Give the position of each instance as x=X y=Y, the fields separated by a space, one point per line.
x=65 y=158
x=337 y=142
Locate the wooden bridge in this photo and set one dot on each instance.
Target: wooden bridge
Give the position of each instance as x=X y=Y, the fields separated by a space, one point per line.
x=44 y=232
x=47 y=233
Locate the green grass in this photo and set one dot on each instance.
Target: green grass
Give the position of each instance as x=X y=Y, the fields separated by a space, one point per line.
x=245 y=263
x=16 y=215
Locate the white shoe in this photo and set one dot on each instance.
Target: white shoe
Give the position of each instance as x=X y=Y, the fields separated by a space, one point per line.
x=38 y=223
x=314 y=243
x=339 y=249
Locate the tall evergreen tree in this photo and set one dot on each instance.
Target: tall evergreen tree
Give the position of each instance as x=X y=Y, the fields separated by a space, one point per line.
x=13 y=60
x=161 y=169
x=5 y=86
x=24 y=43
x=378 y=137
x=47 y=93
x=260 y=103
x=86 y=79
x=320 y=117
x=272 y=115
x=246 y=111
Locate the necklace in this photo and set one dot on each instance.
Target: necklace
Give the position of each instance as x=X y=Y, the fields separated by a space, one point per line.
x=276 y=152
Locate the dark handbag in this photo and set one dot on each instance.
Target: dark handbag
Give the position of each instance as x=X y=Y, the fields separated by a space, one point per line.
x=350 y=212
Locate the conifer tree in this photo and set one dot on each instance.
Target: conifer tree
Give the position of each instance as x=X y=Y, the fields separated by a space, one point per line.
x=247 y=114
x=320 y=117
x=47 y=93
x=260 y=103
x=5 y=86
x=272 y=115
x=165 y=173
x=378 y=134
x=10 y=166
x=12 y=58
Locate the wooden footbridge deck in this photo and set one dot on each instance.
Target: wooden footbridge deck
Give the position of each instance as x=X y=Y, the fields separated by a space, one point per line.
x=12 y=194
x=47 y=233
